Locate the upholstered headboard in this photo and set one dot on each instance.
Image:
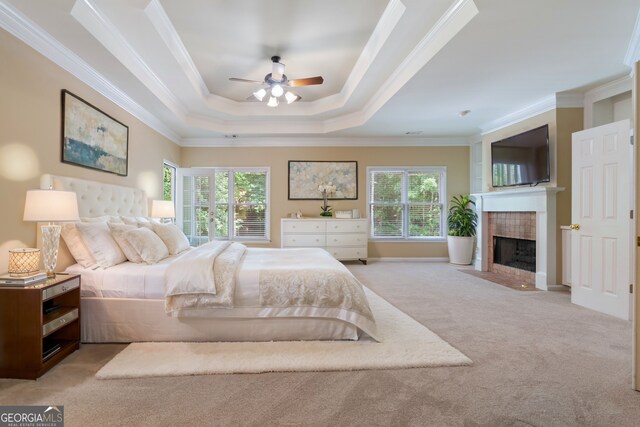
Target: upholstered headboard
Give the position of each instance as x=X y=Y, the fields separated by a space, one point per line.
x=95 y=199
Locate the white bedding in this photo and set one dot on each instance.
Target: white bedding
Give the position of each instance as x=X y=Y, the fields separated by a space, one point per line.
x=141 y=281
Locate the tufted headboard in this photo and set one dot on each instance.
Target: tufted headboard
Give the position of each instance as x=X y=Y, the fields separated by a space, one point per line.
x=95 y=199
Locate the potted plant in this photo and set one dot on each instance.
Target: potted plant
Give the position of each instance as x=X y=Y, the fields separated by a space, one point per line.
x=462 y=221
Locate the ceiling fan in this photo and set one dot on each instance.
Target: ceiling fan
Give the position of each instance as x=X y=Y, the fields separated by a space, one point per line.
x=277 y=83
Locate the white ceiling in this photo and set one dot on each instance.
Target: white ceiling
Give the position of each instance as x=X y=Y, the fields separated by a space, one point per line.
x=390 y=66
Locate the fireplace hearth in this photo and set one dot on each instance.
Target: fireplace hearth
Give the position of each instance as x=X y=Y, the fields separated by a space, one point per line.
x=515 y=253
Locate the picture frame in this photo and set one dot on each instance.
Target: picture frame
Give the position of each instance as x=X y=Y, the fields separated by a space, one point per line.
x=91 y=138
x=306 y=175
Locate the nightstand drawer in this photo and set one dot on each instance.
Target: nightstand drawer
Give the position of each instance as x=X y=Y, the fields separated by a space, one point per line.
x=61 y=321
x=60 y=289
x=346 y=239
x=313 y=240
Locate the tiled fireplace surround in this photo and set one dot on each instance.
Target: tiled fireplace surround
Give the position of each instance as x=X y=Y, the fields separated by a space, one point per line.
x=524 y=213
x=516 y=225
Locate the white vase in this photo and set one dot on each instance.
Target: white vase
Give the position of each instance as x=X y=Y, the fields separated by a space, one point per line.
x=460 y=249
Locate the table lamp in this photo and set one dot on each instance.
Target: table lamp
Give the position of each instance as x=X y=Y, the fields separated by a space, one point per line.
x=163 y=209
x=50 y=206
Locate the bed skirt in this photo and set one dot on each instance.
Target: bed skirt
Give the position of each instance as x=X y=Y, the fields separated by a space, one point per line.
x=124 y=320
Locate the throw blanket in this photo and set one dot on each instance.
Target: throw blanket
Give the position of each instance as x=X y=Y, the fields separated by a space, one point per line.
x=203 y=277
x=291 y=283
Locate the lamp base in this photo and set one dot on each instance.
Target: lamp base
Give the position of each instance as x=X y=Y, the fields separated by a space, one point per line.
x=50 y=243
x=51 y=275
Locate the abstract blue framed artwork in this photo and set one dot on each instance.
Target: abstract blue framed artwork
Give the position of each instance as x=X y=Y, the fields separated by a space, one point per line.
x=306 y=176
x=92 y=138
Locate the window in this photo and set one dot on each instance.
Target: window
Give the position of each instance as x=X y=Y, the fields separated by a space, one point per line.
x=168 y=181
x=224 y=204
x=406 y=203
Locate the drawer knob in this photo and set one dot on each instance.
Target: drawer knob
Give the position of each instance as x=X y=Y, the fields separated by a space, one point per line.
x=317 y=240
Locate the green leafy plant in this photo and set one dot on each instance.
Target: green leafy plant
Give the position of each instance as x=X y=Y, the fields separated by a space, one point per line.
x=462 y=218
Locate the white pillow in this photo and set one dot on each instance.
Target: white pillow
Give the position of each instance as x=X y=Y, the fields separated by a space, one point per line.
x=72 y=237
x=129 y=220
x=148 y=245
x=117 y=232
x=172 y=236
x=97 y=238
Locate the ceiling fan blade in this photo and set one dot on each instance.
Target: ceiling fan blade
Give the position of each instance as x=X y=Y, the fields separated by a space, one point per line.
x=252 y=98
x=306 y=82
x=235 y=79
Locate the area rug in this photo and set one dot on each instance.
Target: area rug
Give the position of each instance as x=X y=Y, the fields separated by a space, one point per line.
x=405 y=344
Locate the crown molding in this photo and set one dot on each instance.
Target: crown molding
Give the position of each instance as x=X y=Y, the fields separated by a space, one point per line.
x=559 y=100
x=609 y=89
x=30 y=33
x=293 y=141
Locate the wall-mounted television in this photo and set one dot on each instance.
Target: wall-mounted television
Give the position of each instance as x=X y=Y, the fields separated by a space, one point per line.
x=521 y=159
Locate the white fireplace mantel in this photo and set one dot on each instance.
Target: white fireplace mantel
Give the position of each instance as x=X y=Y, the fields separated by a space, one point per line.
x=542 y=201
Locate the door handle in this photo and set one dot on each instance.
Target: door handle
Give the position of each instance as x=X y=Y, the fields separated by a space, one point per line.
x=575 y=226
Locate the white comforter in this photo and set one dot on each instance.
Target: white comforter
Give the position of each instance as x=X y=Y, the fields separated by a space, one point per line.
x=302 y=283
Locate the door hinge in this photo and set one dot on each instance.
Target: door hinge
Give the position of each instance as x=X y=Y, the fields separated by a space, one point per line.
x=631 y=214
x=638 y=241
x=631 y=288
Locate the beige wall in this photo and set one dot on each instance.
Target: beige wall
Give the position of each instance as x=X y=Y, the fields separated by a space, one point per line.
x=456 y=159
x=562 y=123
x=30 y=138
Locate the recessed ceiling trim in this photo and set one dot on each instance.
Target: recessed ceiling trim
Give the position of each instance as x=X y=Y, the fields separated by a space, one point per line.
x=161 y=22
x=14 y=22
x=453 y=20
x=292 y=141
x=633 y=50
x=97 y=24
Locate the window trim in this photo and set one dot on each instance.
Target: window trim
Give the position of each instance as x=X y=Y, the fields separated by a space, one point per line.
x=174 y=177
x=442 y=170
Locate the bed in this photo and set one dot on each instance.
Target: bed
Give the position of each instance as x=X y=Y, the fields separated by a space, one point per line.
x=127 y=302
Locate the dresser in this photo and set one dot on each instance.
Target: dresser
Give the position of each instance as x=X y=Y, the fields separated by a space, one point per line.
x=345 y=239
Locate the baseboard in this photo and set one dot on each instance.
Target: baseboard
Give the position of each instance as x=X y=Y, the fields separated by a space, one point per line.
x=398 y=259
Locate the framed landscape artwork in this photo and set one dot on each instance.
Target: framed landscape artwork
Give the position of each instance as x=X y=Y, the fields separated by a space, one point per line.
x=306 y=176
x=91 y=138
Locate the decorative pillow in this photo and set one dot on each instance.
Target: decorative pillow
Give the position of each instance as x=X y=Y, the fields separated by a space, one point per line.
x=97 y=238
x=172 y=236
x=148 y=245
x=117 y=232
x=72 y=237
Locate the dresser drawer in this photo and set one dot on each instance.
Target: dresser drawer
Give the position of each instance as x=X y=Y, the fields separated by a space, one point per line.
x=56 y=324
x=346 y=226
x=348 y=253
x=60 y=289
x=303 y=226
x=303 y=240
x=347 y=239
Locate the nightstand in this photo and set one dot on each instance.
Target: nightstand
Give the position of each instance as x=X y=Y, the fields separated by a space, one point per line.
x=39 y=326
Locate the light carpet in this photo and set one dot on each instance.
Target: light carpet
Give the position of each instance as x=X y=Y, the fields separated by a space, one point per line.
x=405 y=344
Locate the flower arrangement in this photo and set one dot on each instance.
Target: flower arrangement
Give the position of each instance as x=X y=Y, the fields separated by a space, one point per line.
x=326 y=189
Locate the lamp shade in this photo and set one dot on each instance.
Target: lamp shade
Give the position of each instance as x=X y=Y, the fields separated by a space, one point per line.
x=162 y=209
x=51 y=206
x=23 y=261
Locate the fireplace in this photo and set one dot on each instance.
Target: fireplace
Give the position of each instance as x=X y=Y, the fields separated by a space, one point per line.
x=515 y=253
x=519 y=213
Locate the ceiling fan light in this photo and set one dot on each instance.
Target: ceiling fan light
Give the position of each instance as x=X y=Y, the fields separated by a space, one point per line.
x=273 y=102
x=291 y=97
x=277 y=91
x=260 y=94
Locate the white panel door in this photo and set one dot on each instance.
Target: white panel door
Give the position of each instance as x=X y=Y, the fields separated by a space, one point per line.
x=601 y=203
